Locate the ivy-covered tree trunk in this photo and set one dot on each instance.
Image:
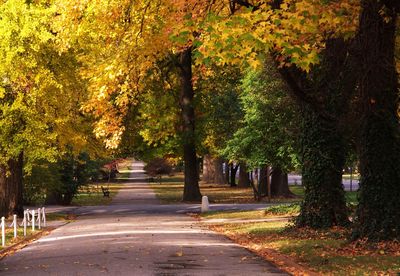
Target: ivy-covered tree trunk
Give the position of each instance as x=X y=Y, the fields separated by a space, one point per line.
x=378 y=213
x=279 y=183
x=324 y=96
x=323 y=158
x=191 y=190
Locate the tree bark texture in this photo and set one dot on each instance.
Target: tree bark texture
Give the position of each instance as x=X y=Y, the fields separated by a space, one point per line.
x=212 y=170
x=264 y=181
x=244 y=180
x=323 y=158
x=378 y=214
x=324 y=96
x=11 y=187
x=279 y=183
x=191 y=187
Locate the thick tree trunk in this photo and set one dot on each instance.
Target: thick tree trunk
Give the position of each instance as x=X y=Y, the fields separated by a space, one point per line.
x=4 y=207
x=208 y=169
x=212 y=170
x=16 y=196
x=244 y=180
x=279 y=183
x=219 y=177
x=11 y=187
x=378 y=213
x=323 y=159
x=191 y=190
x=264 y=181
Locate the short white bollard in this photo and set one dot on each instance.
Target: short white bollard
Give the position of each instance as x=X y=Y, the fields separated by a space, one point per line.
x=205 y=205
x=33 y=220
x=15 y=223
x=3 y=231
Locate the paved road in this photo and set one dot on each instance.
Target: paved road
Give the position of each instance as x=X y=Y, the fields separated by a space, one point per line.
x=135 y=236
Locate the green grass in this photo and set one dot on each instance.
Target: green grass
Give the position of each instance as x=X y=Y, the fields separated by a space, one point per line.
x=92 y=195
x=326 y=251
x=283 y=210
x=20 y=235
x=233 y=215
x=170 y=191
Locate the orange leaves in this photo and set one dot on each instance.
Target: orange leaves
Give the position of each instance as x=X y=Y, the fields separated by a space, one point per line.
x=297 y=31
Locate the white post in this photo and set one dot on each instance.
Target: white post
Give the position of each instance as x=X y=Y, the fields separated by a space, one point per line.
x=205 y=205
x=15 y=226
x=3 y=232
x=39 y=214
x=28 y=217
x=33 y=220
x=24 y=222
x=44 y=216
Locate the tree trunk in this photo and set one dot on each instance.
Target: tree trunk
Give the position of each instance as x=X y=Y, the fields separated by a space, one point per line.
x=11 y=200
x=227 y=174
x=212 y=170
x=16 y=167
x=378 y=213
x=4 y=208
x=264 y=181
x=219 y=177
x=191 y=190
x=233 y=171
x=208 y=169
x=244 y=180
x=323 y=159
x=279 y=183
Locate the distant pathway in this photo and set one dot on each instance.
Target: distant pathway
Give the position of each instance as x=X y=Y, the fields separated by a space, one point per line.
x=135 y=235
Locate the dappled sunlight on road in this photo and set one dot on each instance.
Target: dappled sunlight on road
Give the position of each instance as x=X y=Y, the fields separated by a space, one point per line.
x=117 y=233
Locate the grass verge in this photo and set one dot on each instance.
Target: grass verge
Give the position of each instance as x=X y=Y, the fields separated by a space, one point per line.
x=170 y=191
x=325 y=252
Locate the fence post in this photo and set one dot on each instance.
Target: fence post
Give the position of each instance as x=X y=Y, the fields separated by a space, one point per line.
x=44 y=216
x=33 y=220
x=24 y=222
x=3 y=232
x=39 y=218
x=15 y=222
x=28 y=217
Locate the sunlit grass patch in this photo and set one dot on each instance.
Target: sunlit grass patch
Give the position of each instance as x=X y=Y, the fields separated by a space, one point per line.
x=283 y=210
x=233 y=215
x=170 y=190
x=325 y=251
x=10 y=240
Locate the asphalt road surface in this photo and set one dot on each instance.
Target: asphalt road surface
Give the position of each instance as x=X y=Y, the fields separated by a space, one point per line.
x=135 y=235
